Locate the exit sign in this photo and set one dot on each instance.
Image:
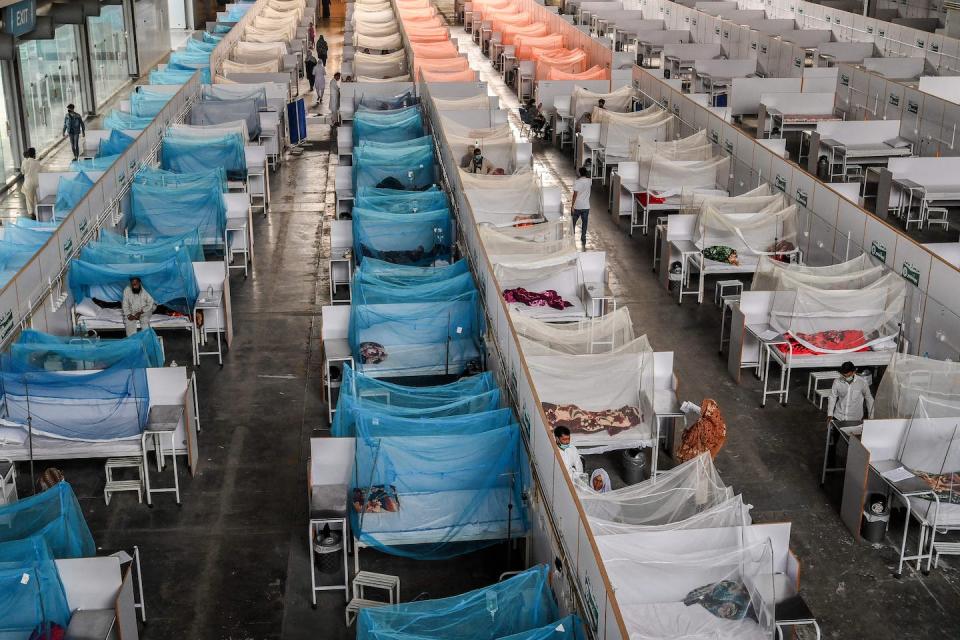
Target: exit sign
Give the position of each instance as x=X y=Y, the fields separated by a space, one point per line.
x=20 y=18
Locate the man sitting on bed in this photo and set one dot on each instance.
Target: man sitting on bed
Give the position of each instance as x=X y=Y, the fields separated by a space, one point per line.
x=569 y=453
x=138 y=305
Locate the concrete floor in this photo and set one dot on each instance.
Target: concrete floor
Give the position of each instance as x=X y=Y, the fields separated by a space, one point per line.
x=231 y=563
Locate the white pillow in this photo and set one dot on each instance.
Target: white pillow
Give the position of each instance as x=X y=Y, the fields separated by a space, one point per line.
x=88 y=308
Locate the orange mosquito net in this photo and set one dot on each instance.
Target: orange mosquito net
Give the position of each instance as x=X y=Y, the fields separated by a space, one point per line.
x=434 y=50
x=467 y=75
x=593 y=73
x=526 y=44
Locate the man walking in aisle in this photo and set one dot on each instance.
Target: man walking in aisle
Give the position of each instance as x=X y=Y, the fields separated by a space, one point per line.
x=580 y=207
x=74 y=127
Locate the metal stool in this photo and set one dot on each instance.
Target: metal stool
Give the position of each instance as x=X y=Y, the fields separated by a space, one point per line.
x=721 y=290
x=112 y=486
x=942 y=218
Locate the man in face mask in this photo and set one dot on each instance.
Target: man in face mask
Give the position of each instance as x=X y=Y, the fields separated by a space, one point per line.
x=138 y=306
x=480 y=164
x=569 y=453
x=847 y=397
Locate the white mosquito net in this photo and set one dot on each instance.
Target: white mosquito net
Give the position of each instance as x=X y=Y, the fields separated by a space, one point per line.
x=583 y=101
x=588 y=336
x=669 y=178
x=387 y=65
x=770 y=231
x=497 y=144
x=673 y=496
x=391 y=42
x=842 y=320
x=620 y=132
x=605 y=399
x=560 y=272
x=543 y=239
x=697 y=591
x=376 y=16
x=377 y=29
x=459 y=104
x=230 y=66
x=775 y=275
x=694 y=147
x=275 y=49
x=257 y=34
x=930 y=446
x=503 y=201
x=908 y=378
x=401 y=78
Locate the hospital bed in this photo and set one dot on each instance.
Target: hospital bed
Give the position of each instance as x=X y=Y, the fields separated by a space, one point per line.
x=851 y=146
x=579 y=280
x=914 y=188
x=754 y=344
x=210 y=277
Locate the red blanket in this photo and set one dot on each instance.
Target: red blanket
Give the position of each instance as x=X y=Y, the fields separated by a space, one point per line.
x=645 y=198
x=843 y=340
x=548 y=298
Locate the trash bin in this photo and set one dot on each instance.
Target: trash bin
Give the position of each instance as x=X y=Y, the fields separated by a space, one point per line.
x=634 y=466
x=876 y=516
x=328 y=546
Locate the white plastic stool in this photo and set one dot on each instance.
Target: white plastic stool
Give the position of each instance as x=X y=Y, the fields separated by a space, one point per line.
x=112 y=486
x=816 y=377
x=942 y=218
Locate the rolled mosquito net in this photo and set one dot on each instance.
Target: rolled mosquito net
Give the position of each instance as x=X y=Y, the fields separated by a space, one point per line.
x=930 y=448
x=908 y=378
x=594 y=335
x=459 y=104
x=38 y=351
x=521 y=603
x=53 y=516
x=751 y=235
x=613 y=411
x=843 y=320
x=673 y=496
x=583 y=101
x=722 y=592
x=595 y=72
x=503 y=201
x=775 y=275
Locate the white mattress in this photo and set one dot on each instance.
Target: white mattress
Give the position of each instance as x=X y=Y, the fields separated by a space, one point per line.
x=600 y=442
x=947 y=516
x=549 y=314
x=47 y=448
x=748 y=264
x=426 y=518
x=113 y=319
x=423 y=360
x=676 y=621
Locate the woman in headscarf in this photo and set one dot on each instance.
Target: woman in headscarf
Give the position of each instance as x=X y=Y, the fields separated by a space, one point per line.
x=322 y=50
x=600 y=481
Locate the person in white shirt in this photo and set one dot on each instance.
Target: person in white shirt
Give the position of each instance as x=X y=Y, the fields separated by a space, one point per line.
x=569 y=453
x=320 y=82
x=138 y=306
x=848 y=396
x=580 y=208
x=30 y=168
x=335 y=98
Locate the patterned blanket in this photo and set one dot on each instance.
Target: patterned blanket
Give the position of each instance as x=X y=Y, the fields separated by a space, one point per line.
x=380 y=499
x=578 y=420
x=945 y=485
x=842 y=340
x=548 y=298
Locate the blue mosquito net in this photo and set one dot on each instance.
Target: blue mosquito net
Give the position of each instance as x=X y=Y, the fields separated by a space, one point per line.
x=38 y=351
x=210 y=37
x=199 y=46
x=159 y=210
x=117 y=119
x=53 y=515
x=147 y=102
x=388 y=126
x=100 y=163
x=70 y=191
x=31 y=594
x=222 y=28
x=235 y=93
x=361 y=386
x=374 y=103
x=213 y=110
x=171 y=283
x=567 y=628
x=114 y=248
x=419 y=239
x=116 y=144
x=162 y=177
x=412 y=167
x=455 y=418
x=378 y=272
x=18 y=246
x=366 y=291
x=397 y=201
x=194 y=154
x=204 y=69
x=28 y=236
x=518 y=604
x=170 y=76
x=40 y=225
x=111 y=404
x=454 y=495
x=416 y=338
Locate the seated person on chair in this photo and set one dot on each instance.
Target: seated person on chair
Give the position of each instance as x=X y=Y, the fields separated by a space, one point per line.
x=582 y=120
x=539 y=121
x=138 y=305
x=479 y=164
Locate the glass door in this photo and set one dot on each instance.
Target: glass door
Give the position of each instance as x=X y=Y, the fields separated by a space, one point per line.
x=50 y=71
x=7 y=163
x=108 y=52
